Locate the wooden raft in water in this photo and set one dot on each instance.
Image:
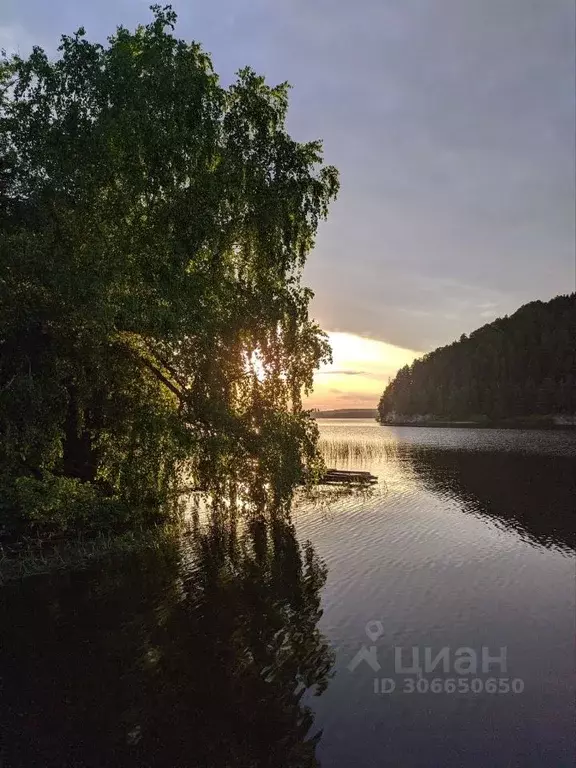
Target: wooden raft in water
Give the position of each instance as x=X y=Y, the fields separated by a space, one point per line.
x=344 y=476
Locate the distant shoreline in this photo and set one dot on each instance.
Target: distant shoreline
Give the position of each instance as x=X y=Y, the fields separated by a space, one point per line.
x=347 y=413
x=528 y=422
x=516 y=424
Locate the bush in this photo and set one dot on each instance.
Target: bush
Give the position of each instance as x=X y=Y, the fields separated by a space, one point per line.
x=58 y=505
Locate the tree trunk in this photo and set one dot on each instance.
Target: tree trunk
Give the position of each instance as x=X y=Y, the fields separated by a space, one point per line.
x=80 y=458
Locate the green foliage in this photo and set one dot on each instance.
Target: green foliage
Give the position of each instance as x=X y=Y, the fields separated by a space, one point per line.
x=518 y=366
x=59 y=504
x=154 y=230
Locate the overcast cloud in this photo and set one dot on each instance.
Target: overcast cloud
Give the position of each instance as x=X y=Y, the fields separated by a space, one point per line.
x=451 y=121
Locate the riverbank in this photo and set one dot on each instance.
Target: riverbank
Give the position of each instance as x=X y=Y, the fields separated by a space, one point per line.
x=535 y=422
x=40 y=554
x=34 y=557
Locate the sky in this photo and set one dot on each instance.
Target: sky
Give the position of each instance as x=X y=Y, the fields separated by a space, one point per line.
x=452 y=125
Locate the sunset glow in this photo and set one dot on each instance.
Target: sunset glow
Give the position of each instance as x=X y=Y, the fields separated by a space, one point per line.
x=359 y=372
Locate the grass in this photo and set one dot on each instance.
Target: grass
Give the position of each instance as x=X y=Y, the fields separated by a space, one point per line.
x=354 y=452
x=37 y=557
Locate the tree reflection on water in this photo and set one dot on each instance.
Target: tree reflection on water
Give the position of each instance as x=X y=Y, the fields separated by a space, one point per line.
x=198 y=654
x=531 y=494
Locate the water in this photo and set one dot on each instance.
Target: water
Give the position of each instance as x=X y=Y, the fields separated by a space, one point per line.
x=209 y=653
x=472 y=544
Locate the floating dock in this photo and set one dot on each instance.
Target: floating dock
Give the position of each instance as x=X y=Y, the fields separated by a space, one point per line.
x=348 y=477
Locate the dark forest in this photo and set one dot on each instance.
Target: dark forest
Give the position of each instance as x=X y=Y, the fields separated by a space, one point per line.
x=518 y=366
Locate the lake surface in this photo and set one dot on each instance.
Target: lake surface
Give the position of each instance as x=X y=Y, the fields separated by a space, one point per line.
x=244 y=645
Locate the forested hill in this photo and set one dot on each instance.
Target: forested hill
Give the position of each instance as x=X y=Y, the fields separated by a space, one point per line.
x=518 y=366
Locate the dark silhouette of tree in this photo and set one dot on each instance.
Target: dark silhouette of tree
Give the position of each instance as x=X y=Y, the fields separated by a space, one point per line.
x=154 y=230
x=198 y=655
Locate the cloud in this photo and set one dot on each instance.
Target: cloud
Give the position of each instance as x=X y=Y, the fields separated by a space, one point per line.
x=342 y=373
x=15 y=39
x=451 y=123
x=488 y=313
x=456 y=149
x=360 y=370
